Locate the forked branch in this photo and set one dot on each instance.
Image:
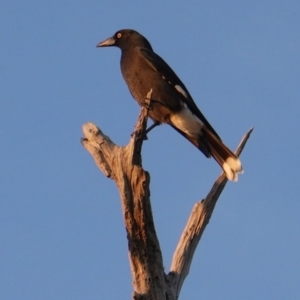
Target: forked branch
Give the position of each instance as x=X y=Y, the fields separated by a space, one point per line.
x=124 y=166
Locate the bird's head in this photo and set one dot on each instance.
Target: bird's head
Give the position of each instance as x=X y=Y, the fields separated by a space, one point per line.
x=126 y=38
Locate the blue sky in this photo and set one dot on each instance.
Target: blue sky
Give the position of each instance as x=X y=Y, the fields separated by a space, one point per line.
x=61 y=227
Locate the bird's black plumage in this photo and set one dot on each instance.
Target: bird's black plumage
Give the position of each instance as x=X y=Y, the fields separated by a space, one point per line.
x=144 y=70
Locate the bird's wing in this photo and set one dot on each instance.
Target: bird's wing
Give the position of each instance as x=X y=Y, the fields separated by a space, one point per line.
x=160 y=66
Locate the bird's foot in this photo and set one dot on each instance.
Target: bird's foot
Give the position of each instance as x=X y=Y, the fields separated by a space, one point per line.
x=148 y=101
x=148 y=104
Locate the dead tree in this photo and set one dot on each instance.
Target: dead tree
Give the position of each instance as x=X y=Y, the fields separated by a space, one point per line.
x=124 y=166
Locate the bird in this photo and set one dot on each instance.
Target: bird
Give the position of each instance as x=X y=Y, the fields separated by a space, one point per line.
x=171 y=103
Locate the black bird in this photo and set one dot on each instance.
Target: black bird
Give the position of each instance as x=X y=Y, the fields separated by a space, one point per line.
x=171 y=102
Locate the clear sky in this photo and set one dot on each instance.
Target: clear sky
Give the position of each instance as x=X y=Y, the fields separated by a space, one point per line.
x=61 y=227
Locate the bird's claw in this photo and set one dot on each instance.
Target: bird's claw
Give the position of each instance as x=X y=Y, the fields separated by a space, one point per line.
x=148 y=104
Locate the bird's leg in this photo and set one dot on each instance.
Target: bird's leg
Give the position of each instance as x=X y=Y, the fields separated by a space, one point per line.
x=151 y=127
x=148 y=101
x=148 y=104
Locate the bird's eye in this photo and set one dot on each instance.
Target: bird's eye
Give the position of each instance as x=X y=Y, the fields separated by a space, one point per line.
x=119 y=34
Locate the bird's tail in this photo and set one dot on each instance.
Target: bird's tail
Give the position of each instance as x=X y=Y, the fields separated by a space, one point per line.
x=211 y=145
x=228 y=161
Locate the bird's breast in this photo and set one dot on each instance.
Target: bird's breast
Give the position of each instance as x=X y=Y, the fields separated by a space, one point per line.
x=136 y=75
x=140 y=78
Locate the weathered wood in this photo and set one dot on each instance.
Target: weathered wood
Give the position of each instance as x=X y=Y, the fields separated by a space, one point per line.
x=195 y=227
x=124 y=166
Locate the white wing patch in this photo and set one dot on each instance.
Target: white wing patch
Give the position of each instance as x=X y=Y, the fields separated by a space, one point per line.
x=187 y=122
x=181 y=91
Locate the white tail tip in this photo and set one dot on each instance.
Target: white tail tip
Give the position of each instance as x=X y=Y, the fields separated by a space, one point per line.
x=232 y=167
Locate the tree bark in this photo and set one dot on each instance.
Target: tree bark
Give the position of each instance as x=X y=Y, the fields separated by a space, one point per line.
x=124 y=166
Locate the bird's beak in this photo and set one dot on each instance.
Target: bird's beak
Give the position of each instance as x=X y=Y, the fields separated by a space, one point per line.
x=108 y=42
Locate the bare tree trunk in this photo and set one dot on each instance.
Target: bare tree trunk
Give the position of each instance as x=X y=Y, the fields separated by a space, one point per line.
x=124 y=166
